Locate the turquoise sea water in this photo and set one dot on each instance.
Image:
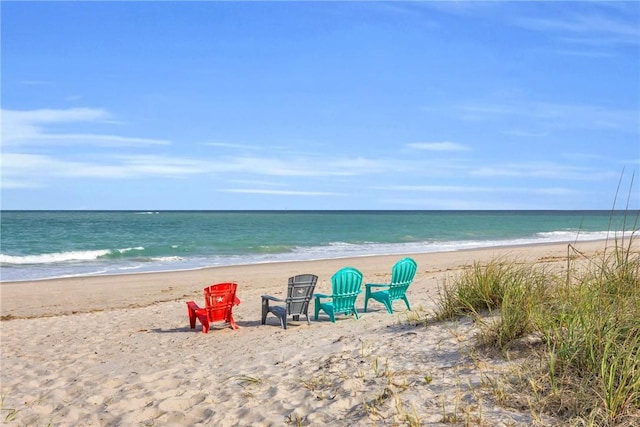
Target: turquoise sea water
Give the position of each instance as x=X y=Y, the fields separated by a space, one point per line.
x=46 y=244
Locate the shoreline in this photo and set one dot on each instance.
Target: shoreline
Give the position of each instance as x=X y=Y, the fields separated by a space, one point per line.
x=194 y=262
x=78 y=294
x=399 y=254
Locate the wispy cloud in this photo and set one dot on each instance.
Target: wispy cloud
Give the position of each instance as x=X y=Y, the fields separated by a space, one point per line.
x=34 y=82
x=33 y=128
x=284 y=167
x=598 y=23
x=20 y=170
x=546 y=170
x=438 y=188
x=95 y=139
x=523 y=133
x=49 y=115
x=587 y=28
x=23 y=170
x=470 y=189
x=254 y=182
x=281 y=192
x=233 y=145
x=167 y=166
x=555 y=115
x=554 y=191
x=438 y=146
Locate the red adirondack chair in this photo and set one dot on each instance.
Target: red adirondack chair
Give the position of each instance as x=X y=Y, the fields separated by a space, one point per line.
x=219 y=300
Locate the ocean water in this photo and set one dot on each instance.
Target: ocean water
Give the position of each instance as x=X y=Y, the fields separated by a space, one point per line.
x=47 y=244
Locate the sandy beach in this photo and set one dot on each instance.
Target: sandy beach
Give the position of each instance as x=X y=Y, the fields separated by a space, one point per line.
x=118 y=351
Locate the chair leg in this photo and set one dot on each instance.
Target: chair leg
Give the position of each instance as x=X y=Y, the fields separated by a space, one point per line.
x=265 y=310
x=204 y=320
x=406 y=301
x=316 y=309
x=191 y=307
x=387 y=304
x=232 y=322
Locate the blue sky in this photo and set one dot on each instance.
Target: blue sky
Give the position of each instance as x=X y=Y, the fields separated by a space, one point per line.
x=320 y=105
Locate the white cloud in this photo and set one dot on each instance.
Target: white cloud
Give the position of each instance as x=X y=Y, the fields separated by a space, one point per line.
x=523 y=133
x=560 y=116
x=478 y=198
x=545 y=170
x=232 y=145
x=439 y=188
x=302 y=166
x=588 y=28
x=27 y=169
x=438 y=146
x=443 y=203
x=31 y=128
x=21 y=170
x=554 y=191
x=16 y=184
x=281 y=192
x=257 y=182
x=162 y=166
x=96 y=139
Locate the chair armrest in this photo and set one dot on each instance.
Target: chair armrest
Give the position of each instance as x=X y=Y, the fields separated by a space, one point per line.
x=269 y=297
x=321 y=296
x=193 y=307
x=376 y=285
x=236 y=301
x=195 y=312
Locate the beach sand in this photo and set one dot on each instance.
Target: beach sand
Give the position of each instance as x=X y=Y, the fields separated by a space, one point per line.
x=118 y=351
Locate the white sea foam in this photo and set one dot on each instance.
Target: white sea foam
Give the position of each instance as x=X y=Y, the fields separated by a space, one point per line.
x=125 y=250
x=167 y=258
x=344 y=249
x=570 y=235
x=130 y=267
x=95 y=262
x=59 y=257
x=53 y=257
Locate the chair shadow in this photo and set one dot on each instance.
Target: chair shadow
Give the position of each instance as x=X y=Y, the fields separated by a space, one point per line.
x=272 y=322
x=324 y=318
x=291 y=324
x=212 y=327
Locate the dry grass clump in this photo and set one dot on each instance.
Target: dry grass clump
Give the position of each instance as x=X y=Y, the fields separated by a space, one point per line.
x=586 y=366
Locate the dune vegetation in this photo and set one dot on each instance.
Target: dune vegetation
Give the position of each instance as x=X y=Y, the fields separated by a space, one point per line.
x=576 y=331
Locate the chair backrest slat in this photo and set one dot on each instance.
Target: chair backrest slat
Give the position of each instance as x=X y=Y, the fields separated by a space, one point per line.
x=219 y=300
x=346 y=285
x=300 y=292
x=402 y=276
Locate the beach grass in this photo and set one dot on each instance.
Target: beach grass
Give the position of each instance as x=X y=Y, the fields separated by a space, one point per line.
x=580 y=330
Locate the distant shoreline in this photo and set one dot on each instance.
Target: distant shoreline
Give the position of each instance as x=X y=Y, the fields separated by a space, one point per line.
x=133 y=273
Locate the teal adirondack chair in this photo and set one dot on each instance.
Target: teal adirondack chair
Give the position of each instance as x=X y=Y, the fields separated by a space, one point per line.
x=346 y=285
x=402 y=276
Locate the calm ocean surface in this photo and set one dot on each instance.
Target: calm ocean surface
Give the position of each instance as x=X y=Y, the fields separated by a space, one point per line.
x=47 y=244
